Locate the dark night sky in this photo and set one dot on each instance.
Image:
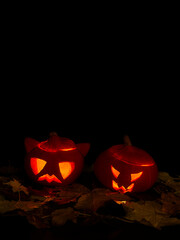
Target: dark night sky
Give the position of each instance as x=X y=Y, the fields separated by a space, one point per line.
x=95 y=111
x=90 y=92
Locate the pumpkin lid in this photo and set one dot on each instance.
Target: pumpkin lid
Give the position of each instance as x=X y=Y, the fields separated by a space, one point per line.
x=56 y=143
x=132 y=155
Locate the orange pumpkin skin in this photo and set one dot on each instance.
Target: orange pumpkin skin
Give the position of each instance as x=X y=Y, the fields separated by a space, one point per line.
x=126 y=169
x=55 y=162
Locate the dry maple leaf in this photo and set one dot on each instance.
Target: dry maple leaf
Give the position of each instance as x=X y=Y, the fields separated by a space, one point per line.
x=96 y=198
x=31 y=205
x=61 y=216
x=93 y=200
x=169 y=181
x=149 y=213
x=7 y=206
x=170 y=204
x=17 y=186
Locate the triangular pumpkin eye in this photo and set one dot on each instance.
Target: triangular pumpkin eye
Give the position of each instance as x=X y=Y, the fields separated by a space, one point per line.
x=37 y=165
x=115 y=172
x=66 y=168
x=135 y=176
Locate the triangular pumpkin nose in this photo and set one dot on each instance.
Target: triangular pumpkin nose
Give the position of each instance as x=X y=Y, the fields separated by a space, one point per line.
x=124 y=180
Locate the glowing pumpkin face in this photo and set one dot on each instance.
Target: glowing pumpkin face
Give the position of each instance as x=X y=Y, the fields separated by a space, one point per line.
x=57 y=161
x=126 y=169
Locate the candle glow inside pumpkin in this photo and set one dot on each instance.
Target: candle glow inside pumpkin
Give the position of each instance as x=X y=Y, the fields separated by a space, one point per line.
x=57 y=161
x=126 y=169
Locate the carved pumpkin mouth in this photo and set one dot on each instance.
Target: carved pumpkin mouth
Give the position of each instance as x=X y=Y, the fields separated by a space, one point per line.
x=122 y=189
x=49 y=178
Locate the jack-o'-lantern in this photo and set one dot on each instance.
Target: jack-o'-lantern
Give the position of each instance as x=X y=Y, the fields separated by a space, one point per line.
x=57 y=161
x=126 y=168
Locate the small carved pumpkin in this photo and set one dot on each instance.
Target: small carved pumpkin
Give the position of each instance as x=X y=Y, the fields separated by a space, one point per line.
x=126 y=169
x=56 y=161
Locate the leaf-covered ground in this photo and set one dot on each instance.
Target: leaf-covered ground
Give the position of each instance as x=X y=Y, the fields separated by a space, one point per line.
x=46 y=207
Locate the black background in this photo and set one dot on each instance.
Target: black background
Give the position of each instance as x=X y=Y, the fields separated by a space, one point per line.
x=91 y=85
x=91 y=78
x=89 y=93
x=99 y=110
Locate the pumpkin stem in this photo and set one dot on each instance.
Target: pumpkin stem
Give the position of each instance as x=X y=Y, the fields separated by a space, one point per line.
x=127 y=140
x=54 y=140
x=53 y=134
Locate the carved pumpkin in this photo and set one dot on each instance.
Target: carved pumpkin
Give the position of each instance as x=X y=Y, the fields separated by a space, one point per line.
x=126 y=169
x=56 y=161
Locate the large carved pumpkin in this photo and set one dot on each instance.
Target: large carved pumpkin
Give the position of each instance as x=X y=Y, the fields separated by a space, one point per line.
x=126 y=169
x=56 y=161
